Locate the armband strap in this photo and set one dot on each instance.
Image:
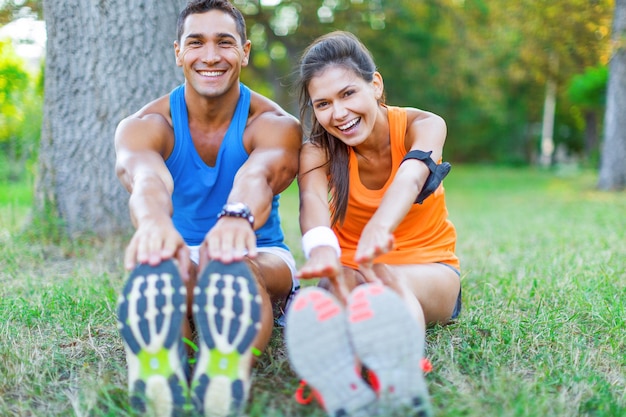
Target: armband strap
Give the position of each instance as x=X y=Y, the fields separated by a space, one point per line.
x=319 y=236
x=437 y=173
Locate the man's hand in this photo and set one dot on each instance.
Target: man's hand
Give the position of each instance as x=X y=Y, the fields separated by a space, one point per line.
x=230 y=240
x=154 y=241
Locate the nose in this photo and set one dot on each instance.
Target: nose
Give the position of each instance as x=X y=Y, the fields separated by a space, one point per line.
x=211 y=54
x=339 y=111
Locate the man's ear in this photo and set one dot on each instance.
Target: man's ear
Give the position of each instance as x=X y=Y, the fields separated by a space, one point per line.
x=177 y=54
x=246 y=51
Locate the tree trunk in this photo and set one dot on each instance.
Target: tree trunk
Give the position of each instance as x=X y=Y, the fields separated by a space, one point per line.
x=591 y=132
x=613 y=161
x=547 y=128
x=105 y=59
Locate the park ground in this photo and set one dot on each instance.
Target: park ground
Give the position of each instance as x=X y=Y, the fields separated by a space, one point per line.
x=542 y=332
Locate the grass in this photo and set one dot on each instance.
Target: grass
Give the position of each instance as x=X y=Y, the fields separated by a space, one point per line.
x=542 y=332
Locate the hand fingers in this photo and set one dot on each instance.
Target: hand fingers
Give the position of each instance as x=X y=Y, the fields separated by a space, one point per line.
x=231 y=246
x=366 y=253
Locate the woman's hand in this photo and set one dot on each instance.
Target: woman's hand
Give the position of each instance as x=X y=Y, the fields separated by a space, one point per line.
x=375 y=241
x=324 y=263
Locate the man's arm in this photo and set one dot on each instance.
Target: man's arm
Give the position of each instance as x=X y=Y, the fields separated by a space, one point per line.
x=274 y=144
x=140 y=142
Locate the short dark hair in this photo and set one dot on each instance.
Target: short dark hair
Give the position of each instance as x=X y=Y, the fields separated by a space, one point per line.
x=203 y=6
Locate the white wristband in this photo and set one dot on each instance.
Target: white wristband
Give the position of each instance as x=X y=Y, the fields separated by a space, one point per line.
x=319 y=236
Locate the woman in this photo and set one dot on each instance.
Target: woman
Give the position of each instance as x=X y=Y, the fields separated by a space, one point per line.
x=372 y=212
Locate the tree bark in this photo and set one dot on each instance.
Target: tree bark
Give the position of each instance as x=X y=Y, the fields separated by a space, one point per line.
x=547 y=128
x=591 y=132
x=105 y=59
x=613 y=159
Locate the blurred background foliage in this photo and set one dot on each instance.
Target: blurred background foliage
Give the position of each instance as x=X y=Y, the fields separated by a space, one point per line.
x=481 y=64
x=21 y=102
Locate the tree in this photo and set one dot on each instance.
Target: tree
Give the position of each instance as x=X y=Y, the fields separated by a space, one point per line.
x=613 y=165
x=280 y=30
x=587 y=91
x=104 y=61
x=9 y=9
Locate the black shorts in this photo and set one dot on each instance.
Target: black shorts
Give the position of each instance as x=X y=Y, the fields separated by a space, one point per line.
x=459 y=302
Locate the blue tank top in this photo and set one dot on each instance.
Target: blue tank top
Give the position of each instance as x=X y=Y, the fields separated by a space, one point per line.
x=200 y=190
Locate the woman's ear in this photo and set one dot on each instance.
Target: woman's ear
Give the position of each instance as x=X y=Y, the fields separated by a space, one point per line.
x=378 y=84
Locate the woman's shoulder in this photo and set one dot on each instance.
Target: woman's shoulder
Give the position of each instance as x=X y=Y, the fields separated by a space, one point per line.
x=415 y=115
x=418 y=117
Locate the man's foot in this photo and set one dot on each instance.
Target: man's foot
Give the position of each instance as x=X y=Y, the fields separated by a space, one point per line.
x=389 y=342
x=319 y=351
x=227 y=314
x=150 y=312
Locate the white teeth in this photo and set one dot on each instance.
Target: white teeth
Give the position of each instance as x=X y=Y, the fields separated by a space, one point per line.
x=349 y=124
x=210 y=73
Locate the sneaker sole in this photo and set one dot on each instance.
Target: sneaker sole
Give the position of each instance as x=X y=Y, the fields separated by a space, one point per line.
x=150 y=311
x=227 y=313
x=388 y=341
x=319 y=350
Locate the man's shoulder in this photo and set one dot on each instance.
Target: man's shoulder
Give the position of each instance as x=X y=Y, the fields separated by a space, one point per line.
x=266 y=112
x=150 y=127
x=158 y=109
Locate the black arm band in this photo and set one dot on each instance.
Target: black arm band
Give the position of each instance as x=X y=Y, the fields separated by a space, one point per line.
x=437 y=173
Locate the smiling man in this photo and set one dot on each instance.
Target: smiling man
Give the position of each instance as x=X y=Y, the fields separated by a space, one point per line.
x=204 y=166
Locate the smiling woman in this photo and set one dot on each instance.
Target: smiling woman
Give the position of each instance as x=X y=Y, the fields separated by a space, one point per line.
x=382 y=242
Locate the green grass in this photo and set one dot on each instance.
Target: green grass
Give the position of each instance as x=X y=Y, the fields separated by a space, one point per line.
x=542 y=332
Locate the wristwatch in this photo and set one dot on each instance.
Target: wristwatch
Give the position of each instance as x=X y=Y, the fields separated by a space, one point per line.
x=237 y=210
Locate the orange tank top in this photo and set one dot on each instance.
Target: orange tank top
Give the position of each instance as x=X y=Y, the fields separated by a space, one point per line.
x=424 y=236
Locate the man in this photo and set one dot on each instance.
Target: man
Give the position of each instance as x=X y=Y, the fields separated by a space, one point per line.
x=204 y=166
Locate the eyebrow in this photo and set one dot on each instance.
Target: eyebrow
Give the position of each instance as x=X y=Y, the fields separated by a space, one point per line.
x=349 y=86
x=219 y=35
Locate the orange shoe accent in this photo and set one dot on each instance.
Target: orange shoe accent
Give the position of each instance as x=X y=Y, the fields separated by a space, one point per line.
x=426 y=365
x=326 y=309
x=320 y=352
x=375 y=289
x=299 y=394
x=300 y=303
x=360 y=310
x=300 y=398
x=372 y=379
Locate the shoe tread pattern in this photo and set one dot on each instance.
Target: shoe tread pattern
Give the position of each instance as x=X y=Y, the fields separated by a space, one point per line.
x=150 y=312
x=388 y=341
x=227 y=314
x=319 y=351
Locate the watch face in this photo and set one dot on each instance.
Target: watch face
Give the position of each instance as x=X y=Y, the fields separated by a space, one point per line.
x=237 y=210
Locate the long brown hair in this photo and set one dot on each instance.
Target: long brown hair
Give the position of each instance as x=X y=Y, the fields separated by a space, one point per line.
x=343 y=49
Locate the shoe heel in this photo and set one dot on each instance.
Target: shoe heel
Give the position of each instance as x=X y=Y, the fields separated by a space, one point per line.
x=227 y=313
x=389 y=342
x=319 y=351
x=150 y=311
